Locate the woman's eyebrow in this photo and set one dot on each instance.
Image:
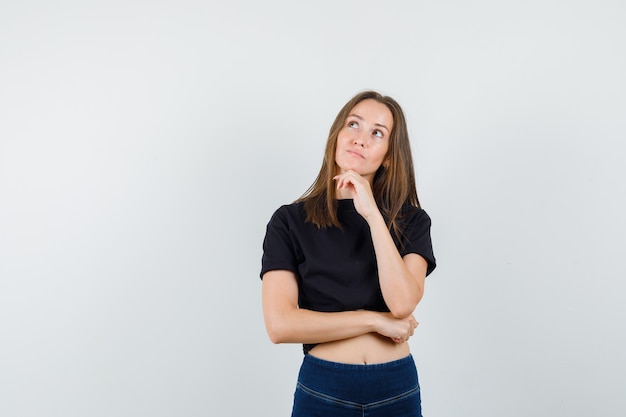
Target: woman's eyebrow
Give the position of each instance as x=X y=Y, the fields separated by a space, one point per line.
x=375 y=124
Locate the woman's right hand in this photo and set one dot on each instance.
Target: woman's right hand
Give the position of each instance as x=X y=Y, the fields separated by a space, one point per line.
x=398 y=330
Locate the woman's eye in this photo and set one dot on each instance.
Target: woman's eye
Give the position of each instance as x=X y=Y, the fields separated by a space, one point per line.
x=353 y=124
x=378 y=133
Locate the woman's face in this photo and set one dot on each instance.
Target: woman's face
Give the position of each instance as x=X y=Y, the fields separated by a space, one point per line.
x=363 y=141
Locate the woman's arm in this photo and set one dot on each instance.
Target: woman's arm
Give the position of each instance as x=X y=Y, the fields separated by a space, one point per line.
x=286 y=323
x=401 y=279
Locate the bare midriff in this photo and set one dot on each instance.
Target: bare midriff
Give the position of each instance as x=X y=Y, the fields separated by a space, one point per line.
x=369 y=348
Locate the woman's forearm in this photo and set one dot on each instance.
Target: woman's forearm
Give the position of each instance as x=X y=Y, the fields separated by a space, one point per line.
x=287 y=323
x=401 y=287
x=305 y=326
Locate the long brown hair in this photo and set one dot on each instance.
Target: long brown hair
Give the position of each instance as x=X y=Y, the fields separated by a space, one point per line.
x=394 y=185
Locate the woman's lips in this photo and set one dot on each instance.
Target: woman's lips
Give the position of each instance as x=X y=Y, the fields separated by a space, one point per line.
x=355 y=153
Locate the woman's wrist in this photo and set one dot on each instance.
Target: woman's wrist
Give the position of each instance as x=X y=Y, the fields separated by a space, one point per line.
x=375 y=217
x=374 y=321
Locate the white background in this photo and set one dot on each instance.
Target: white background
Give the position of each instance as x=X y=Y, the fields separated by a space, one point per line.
x=145 y=144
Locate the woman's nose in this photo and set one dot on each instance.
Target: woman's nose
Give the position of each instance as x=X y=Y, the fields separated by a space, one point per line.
x=359 y=140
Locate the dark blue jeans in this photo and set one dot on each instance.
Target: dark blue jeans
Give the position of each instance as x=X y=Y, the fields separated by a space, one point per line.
x=345 y=390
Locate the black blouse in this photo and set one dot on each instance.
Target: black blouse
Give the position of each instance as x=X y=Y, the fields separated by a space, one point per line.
x=336 y=268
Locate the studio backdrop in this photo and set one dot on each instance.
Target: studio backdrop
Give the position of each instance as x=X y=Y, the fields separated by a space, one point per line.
x=144 y=146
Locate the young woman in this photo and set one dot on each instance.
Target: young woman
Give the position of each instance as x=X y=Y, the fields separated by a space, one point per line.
x=344 y=267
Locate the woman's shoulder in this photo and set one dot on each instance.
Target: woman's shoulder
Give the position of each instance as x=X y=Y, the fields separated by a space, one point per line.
x=292 y=208
x=289 y=212
x=412 y=217
x=410 y=211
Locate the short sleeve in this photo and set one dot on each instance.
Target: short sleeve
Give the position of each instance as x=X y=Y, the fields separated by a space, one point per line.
x=279 y=251
x=416 y=237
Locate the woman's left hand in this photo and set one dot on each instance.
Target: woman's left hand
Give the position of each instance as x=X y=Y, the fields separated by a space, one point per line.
x=361 y=192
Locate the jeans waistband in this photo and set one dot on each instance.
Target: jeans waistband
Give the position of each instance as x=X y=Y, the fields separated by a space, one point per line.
x=359 y=383
x=315 y=361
